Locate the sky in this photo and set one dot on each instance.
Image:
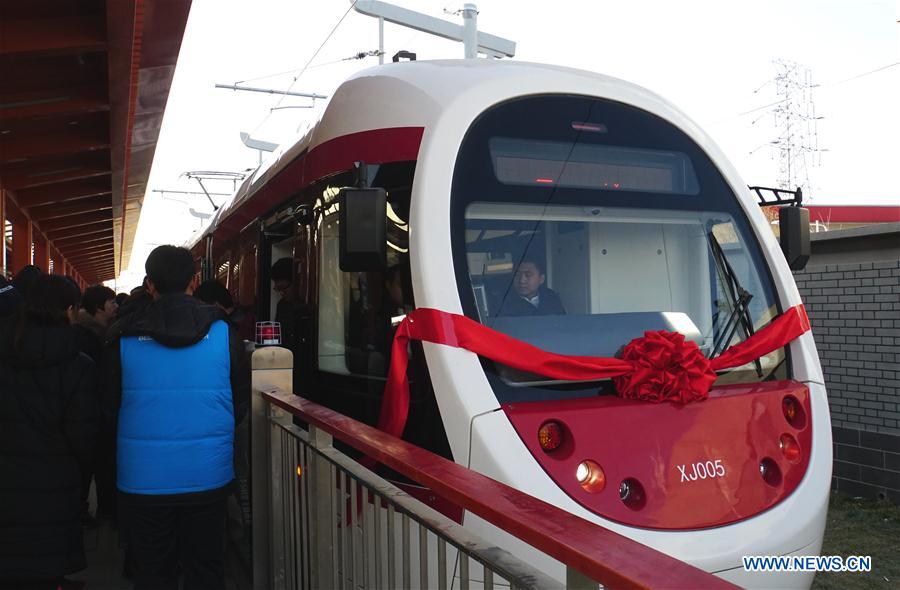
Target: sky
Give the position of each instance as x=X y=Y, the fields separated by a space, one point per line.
x=715 y=60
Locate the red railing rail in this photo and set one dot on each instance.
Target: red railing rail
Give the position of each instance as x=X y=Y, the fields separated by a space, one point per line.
x=598 y=553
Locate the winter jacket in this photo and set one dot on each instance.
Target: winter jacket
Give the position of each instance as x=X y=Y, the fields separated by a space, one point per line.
x=549 y=303
x=176 y=381
x=48 y=424
x=89 y=335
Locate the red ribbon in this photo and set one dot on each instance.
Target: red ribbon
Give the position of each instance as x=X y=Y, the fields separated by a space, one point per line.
x=657 y=367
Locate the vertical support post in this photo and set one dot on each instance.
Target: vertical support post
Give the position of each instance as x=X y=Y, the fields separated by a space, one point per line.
x=276 y=519
x=41 y=253
x=380 y=40
x=59 y=264
x=3 y=262
x=470 y=30
x=322 y=509
x=272 y=367
x=21 y=246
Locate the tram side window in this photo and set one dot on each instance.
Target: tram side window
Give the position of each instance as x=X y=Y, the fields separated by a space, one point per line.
x=359 y=311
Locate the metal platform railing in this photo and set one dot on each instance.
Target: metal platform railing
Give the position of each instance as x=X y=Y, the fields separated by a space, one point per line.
x=323 y=520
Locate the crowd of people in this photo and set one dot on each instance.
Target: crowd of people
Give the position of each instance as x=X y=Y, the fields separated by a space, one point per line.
x=138 y=393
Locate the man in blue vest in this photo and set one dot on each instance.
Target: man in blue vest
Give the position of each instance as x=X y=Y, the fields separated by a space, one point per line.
x=177 y=380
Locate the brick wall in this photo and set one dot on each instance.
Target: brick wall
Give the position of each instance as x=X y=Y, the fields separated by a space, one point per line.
x=854 y=310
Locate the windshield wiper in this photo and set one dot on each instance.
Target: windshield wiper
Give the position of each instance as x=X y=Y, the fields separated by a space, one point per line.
x=739 y=300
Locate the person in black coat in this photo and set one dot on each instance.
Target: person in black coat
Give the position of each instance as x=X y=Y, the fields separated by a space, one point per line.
x=48 y=424
x=529 y=295
x=25 y=278
x=10 y=298
x=98 y=309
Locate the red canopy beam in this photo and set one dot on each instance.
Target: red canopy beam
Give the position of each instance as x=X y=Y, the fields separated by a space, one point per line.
x=59 y=102
x=89 y=267
x=47 y=146
x=64 y=243
x=99 y=249
x=84 y=230
x=82 y=219
x=63 y=191
x=52 y=36
x=54 y=210
x=92 y=263
x=75 y=246
x=76 y=167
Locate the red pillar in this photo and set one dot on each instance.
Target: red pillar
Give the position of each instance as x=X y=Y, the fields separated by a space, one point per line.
x=41 y=252
x=21 y=241
x=59 y=263
x=3 y=261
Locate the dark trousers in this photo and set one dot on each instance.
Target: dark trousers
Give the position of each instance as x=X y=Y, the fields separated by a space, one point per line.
x=105 y=476
x=162 y=537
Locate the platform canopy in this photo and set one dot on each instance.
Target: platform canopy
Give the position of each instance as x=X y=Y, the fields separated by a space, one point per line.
x=83 y=87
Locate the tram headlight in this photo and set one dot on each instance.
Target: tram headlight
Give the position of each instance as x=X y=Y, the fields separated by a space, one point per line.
x=583 y=472
x=591 y=477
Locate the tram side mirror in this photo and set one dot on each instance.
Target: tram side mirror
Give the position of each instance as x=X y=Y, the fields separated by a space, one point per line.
x=793 y=224
x=361 y=219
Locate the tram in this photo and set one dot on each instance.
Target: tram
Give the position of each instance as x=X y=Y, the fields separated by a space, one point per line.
x=627 y=218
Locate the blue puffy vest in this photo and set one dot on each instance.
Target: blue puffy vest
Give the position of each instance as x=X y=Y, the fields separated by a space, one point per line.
x=176 y=420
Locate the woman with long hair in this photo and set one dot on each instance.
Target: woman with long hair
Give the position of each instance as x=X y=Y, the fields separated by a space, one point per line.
x=49 y=416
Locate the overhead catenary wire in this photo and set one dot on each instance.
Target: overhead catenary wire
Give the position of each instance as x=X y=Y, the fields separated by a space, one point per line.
x=306 y=66
x=870 y=72
x=355 y=56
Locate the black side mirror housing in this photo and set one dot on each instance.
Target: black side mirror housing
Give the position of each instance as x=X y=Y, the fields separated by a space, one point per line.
x=793 y=224
x=361 y=221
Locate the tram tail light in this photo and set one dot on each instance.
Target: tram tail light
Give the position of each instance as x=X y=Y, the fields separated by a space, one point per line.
x=550 y=436
x=793 y=412
x=790 y=448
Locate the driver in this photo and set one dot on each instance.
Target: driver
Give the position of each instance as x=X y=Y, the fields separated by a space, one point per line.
x=532 y=296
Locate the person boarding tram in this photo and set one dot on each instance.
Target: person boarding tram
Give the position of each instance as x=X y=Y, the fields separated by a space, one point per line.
x=177 y=380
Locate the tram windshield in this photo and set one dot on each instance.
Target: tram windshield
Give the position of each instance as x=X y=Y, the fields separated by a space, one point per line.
x=580 y=223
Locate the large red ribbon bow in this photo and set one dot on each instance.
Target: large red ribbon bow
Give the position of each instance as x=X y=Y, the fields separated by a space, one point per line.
x=660 y=366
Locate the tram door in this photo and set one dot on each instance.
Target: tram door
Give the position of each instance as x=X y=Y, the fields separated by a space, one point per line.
x=358 y=312
x=280 y=289
x=284 y=267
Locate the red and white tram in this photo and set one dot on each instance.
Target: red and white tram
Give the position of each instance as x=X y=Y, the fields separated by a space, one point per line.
x=629 y=214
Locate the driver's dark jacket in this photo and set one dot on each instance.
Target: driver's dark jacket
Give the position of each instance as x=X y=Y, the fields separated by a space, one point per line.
x=549 y=303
